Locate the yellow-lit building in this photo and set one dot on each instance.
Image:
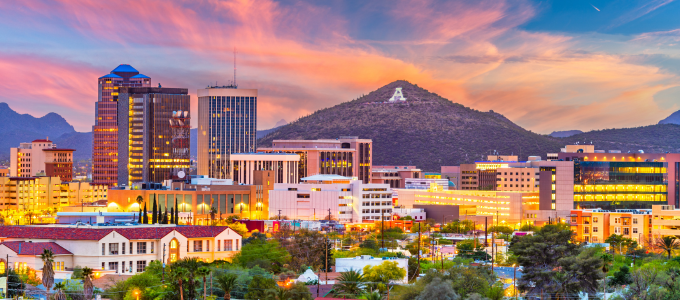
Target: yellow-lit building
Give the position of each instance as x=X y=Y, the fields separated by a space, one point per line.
x=595 y=226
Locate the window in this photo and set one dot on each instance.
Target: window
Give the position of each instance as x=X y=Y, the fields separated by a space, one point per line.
x=103 y=250
x=198 y=246
x=113 y=266
x=237 y=244
x=56 y=265
x=616 y=220
x=635 y=230
x=207 y=245
x=113 y=248
x=2 y=267
x=122 y=268
x=218 y=246
x=141 y=247
x=130 y=251
x=586 y=230
x=141 y=266
x=152 y=244
x=228 y=245
x=123 y=250
x=131 y=266
x=594 y=219
x=594 y=229
x=634 y=220
x=626 y=231
x=174 y=244
x=617 y=230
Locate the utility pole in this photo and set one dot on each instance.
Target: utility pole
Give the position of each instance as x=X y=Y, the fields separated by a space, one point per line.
x=325 y=244
x=418 y=268
x=382 y=231
x=279 y=215
x=493 y=237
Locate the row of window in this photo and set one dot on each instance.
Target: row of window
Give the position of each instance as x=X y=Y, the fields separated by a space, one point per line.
x=374 y=203
x=119 y=248
x=113 y=265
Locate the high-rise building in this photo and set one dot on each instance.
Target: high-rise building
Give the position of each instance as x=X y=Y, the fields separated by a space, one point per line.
x=41 y=157
x=151 y=145
x=227 y=123
x=105 y=129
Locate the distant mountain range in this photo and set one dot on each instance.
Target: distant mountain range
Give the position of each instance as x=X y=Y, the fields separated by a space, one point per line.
x=426 y=130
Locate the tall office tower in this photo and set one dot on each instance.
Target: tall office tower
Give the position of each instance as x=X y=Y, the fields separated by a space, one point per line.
x=105 y=129
x=227 y=123
x=147 y=120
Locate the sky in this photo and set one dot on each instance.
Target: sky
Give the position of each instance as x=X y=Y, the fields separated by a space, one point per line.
x=546 y=65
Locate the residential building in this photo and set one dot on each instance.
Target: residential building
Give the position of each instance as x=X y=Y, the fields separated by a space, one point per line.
x=345 y=199
x=617 y=180
x=153 y=134
x=41 y=157
x=395 y=176
x=195 y=200
x=105 y=129
x=227 y=123
x=284 y=166
x=113 y=250
x=596 y=225
x=346 y=156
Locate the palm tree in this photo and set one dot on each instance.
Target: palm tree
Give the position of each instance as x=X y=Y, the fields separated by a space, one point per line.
x=668 y=244
x=48 y=270
x=279 y=293
x=227 y=282
x=180 y=274
x=59 y=290
x=88 y=288
x=213 y=213
x=349 y=283
x=607 y=260
x=203 y=272
x=374 y=295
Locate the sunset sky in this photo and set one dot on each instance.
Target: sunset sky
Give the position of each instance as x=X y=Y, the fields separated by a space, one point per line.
x=546 y=65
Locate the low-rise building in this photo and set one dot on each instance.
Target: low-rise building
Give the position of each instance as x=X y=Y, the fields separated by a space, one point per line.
x=425 y=183
x=121 y=250
x=395 y=176
x=284 y=166
x=345 y=199
x=596 y=225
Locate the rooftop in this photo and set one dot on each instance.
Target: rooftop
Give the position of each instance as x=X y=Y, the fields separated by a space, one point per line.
x=140 y=76
x=125 y=68
x=70 y=233
x=30 y=248
x=41 y=141
x=110 y=76
x=325 y=177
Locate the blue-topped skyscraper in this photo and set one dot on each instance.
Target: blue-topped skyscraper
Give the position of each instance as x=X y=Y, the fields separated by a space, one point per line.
x=105 y=129
x=227 y=123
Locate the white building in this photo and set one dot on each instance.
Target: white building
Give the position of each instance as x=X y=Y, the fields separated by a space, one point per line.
x=122 y=250
x=417 y=214
x=424 y=183
x=358 y=263
x=349 y=200
x=284 y=165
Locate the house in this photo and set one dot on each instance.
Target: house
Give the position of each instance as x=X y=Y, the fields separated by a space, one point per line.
x=113 y=249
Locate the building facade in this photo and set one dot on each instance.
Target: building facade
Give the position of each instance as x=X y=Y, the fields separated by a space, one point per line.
x=346 y=156
x=395 y=176
x=150 y=148
x=452 y=173
x=113 y=250
x=105 y=129
x=284 y=166
x=596 y=225
x=346 y=200
x=227 y=123
x=41 y=157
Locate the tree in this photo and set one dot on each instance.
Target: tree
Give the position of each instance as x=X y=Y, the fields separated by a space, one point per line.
x=349 y=284
x=48 y=270
x=268 y=255
x=226 y=282
x=146 y=215
x=607 y=260
x=172 y=215
x=176 y=213
x=154 y=212
x=385 y=273
x=239 y=228
x=620 y=244
x=15 y=287
x=59 y=291
x=622 y=276
x=180 y=275
x=553 y=264
x=373 y=295
x=165 y=216
x=88 y=287
x=667 y=244
x=213 y=213
x=258 y=286
x=501 y=229
x=141 y=218
x=472 y=249
x=204 y=272
x=438 y=289
x=528 y=227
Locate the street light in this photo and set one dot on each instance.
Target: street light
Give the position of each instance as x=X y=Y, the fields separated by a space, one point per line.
x=136 y=293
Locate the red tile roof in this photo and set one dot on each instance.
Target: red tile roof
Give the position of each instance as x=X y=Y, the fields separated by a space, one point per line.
x=53 y=233
x=201 y=231
x=41 y=141
x=27 y=248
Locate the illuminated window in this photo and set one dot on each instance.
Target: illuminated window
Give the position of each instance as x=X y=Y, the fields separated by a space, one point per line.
x=173 y=244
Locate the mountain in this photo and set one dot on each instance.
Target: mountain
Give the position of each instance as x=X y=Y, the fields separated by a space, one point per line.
x=674 y=118
x=81 y=141
x=21 y=128
x=281 y=123
x=566 y=133
x=426 y=130
x=659 y=138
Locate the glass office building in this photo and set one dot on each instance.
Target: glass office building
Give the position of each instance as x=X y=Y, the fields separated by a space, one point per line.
x=620 y=184
x=227 y=123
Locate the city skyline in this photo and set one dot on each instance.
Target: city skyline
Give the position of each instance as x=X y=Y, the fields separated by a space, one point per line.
x=582 y=65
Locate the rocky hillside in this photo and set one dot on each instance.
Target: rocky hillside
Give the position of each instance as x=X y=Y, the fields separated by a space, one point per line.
x=426 y=130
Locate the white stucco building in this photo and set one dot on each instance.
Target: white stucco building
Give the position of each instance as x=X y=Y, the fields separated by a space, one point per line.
x=108 y=249
x=349 y=200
